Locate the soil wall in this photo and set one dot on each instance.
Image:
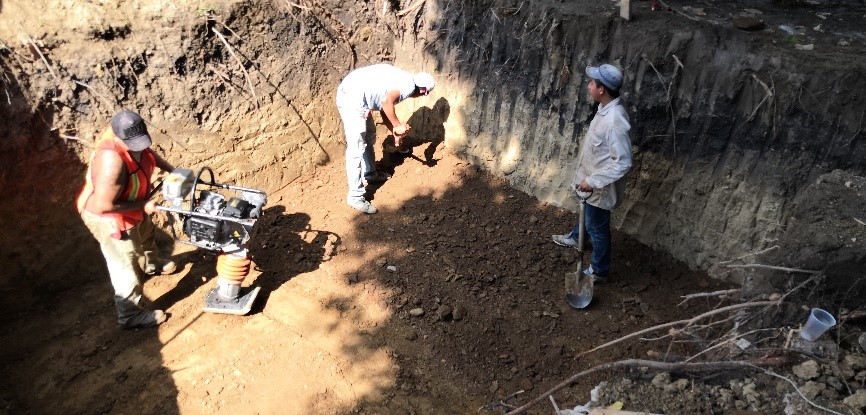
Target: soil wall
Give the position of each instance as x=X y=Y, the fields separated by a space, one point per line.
x=244 y=88
x=729 y=128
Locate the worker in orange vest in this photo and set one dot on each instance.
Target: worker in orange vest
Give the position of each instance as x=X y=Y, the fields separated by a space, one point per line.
x=114 y=205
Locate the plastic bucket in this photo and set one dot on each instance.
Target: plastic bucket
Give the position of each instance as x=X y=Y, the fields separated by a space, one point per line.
x=819 y=321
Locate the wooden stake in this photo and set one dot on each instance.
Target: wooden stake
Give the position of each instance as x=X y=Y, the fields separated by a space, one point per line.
x=625 y=9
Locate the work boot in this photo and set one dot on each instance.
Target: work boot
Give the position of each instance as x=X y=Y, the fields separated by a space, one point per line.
x=376 y=177
x=163 y=268
x=596 y=279
x=144 y=318
x=564 y=240
x=363 y=206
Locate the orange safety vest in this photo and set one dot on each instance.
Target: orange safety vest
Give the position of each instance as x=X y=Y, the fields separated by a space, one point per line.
x=137 y=183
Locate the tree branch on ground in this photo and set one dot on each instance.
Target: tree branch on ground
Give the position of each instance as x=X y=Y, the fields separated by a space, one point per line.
x=774 y=247
x=794 y=385
x=674 y=367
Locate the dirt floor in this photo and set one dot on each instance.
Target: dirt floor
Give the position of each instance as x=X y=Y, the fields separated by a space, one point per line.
x=336 y=330
x=450 y=300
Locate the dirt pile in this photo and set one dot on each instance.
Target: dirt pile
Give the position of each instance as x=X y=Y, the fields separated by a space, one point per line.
x=449 y=299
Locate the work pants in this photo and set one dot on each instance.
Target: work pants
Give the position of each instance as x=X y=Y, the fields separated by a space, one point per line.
x=360 y=139
x=597 y=224
x=122 y=259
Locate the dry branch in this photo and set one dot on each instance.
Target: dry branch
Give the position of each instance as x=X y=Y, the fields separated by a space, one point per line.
x=98 y=95
x=710 y=294
x=774 y=247
x=668 y=93
x=240 y=63
x=853 y=315
x=798 y=391
x=684 y=323
x=411 y=8
x=651 y=364
x=697 y=19
x=337 y=27
x=41 y=56
x=290 y=4
x=768 y=95
x=773 y=267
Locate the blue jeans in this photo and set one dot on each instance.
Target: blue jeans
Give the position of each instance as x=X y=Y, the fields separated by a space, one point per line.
x=598 y=228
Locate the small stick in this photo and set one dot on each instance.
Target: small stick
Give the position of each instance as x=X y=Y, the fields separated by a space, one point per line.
x=240 y=63
x=223 y=76
x=686 y=323
x=555 y=406
x=410 y=9
x=290 y=4
x=723 y=343
x=773 y=267
x=652 y=364
x=110 y=105
x=769 y=95
x=38 y=51
x=859 y=221
x=679 y=12
x=668 y=93
x=710 y=294
x=854 y=315
x=794 y=385
x=750 y=254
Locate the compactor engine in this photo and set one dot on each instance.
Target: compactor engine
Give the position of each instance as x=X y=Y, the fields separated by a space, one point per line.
x=219 y=218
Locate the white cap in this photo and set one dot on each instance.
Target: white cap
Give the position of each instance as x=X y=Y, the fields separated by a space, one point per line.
x=424 y=80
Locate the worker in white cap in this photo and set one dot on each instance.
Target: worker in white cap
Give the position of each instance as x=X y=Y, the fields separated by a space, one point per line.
x=604 y=160
x=373 y=88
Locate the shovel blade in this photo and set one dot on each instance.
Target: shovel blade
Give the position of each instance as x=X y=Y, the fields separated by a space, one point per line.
x=579 y=293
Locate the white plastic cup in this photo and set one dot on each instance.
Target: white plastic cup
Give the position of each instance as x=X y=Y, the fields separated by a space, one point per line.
x=819 y=321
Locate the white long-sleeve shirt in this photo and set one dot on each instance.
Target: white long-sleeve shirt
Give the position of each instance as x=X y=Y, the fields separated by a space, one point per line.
x=605 y=156
x=364 y=88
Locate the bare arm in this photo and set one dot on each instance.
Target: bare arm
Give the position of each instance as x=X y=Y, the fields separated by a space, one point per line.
x=162 y=163
x=400 y=129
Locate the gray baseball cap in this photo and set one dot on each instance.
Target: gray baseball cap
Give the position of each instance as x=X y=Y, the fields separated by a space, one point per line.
x=609 y=75
x=130 y=127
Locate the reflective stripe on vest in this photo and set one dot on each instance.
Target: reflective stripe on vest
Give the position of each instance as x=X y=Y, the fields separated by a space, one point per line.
x=137 y=184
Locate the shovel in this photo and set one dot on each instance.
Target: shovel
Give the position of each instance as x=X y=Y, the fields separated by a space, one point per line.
x=578 y=287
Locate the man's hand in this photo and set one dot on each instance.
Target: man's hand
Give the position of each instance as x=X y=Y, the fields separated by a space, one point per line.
x=150 y=207
x=584 y=186
x=400 y=131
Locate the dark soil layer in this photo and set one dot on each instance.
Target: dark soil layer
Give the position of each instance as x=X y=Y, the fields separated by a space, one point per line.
x=749 y=167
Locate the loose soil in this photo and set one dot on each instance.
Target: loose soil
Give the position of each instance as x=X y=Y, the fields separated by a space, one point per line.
x=449 y=300
x=336 y=331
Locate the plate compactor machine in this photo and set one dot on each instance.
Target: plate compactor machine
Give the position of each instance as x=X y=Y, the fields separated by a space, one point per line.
x=219 y=218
